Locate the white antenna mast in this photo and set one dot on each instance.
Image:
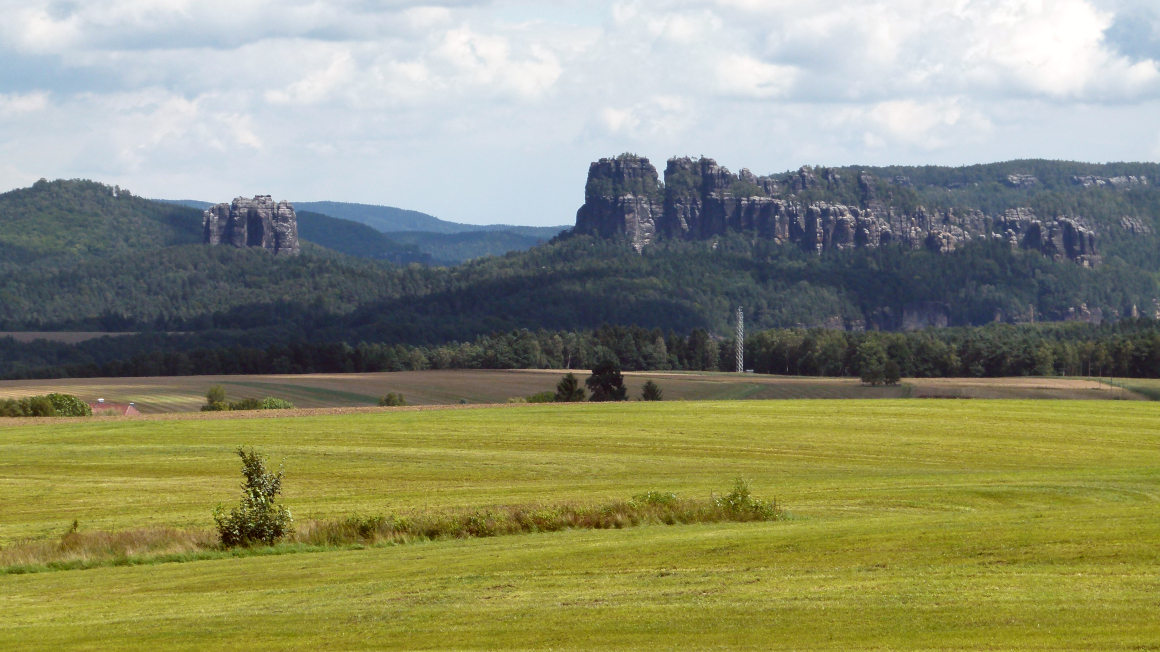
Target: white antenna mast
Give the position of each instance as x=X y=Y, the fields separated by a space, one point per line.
x=740 y=341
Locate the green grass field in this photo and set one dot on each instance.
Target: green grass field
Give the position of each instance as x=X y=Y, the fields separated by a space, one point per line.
x=918 y=525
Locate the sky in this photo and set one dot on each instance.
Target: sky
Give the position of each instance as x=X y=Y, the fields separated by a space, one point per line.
x=490 y=111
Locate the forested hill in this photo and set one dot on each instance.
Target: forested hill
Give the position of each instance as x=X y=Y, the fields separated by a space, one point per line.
x=84 y=219
x=155 y=276
x=389 y=219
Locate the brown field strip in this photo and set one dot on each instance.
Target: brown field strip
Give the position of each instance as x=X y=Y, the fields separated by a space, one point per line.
x=450 y=387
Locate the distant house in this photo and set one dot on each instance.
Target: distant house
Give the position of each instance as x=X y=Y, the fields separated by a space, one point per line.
x=101 y=405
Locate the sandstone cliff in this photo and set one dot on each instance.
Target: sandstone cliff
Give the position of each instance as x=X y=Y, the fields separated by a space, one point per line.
x=257 y=222
x=622 y=196
x=700 y=199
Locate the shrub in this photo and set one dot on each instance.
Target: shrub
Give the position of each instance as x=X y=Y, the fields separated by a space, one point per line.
x=517 y=399
x=67 y=405
x=741 y=504
x=40 y=406
x=392 y=400
x=651 y=392
x=107 y=412
x=32 y=406
x=216 y=394
x=246 y=404
x=655 y=498
x=10 y=408
x=542 y=397
x=568 y=390
x=606 y=383
x=271 y=403
x=215 y=400
x=256 y=519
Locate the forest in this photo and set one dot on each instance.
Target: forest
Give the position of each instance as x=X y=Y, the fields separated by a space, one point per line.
x=1129 y=348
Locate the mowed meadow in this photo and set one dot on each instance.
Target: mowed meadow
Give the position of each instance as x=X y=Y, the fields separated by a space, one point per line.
x=933 y=524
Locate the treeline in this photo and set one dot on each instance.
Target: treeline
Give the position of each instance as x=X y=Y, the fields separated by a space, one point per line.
x=1130 y=348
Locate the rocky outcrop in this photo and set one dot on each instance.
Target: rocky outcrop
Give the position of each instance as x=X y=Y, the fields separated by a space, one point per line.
x=700 y=200
x=1134 y=226
x=622 y=197
x=1060 y=238
x=257 y=222
x=1022 y=180
x=1119 y=183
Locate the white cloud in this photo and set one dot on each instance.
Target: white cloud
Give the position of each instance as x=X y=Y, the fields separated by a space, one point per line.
x=22 y=103
x=914 y=123
x=1051 y=47
x=384 y=101
x=317 y=85
x=486 y=60
x=748 y=77
x=662 y=117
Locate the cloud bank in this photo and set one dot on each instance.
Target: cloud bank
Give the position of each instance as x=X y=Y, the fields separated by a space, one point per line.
x=490 y=111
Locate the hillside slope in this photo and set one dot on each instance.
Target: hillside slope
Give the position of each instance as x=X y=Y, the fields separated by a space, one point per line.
x=455 y=248
x=356 y=239
x=83 y=218
x=389 y=219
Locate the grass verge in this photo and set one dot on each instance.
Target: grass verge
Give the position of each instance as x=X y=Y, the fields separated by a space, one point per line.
x=77 y=550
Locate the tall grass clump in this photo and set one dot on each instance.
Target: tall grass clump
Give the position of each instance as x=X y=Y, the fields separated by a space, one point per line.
x=79 y=549
x=257 y=521
x=653 y=507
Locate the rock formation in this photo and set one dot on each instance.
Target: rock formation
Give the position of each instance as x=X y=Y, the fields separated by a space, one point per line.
x=257 y=222
x=622 y=197
x=700 y=199
x=1119 y=183
x=1021 y=180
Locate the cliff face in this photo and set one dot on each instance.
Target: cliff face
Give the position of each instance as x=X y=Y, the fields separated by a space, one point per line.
x=700 y=199
x=622 y=196
x=257 y=222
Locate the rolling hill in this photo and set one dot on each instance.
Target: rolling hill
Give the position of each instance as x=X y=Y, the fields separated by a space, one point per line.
x=84 y=219
x=80 y=258
x=389 y=219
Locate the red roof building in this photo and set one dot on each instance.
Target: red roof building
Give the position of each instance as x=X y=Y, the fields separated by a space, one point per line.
x=101 y=405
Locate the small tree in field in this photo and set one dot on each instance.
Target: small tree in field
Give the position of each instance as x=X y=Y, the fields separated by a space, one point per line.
x=215 y=400
x=568 y=390
x=256 y=519
x=651 y=392
x=606 y=383
x=392 y=400
x=891 y=374
x=873 y=375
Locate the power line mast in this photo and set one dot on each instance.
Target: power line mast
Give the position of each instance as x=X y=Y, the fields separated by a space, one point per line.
x=740 y=341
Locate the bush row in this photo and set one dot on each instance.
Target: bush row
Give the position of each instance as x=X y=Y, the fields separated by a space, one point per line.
x=215 y=401
x=51 y=405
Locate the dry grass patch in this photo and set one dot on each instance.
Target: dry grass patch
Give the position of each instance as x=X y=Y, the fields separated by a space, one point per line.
x=83 y=549
x=77 y=549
